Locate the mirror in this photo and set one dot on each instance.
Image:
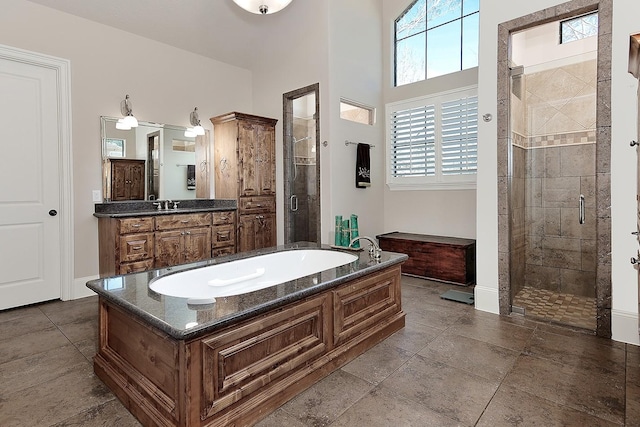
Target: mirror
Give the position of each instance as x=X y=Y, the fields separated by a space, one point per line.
x=154 y=161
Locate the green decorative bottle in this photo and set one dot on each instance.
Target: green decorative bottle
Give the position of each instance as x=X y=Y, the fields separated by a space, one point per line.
x=338 y=232
x=346 y=233
x=354 y=230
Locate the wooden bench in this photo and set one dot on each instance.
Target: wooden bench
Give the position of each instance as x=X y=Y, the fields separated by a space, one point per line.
x=448 y=259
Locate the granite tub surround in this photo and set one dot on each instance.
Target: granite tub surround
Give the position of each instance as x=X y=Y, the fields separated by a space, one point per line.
x=172 y=315
x=233 y=361
x=120 y=209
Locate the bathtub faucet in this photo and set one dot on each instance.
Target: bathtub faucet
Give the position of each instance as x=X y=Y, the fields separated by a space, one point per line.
x=374 y=249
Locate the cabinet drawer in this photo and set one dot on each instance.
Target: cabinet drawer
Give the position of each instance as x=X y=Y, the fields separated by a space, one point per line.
x=170 y=222
x=222 y=218
x=136 y=247
x=249 y=205
x=223 y=235
x=226 y=250
x=135 y=267
x=135 y=225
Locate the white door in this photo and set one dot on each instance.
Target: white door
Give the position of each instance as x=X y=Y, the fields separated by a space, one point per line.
x=30 y=253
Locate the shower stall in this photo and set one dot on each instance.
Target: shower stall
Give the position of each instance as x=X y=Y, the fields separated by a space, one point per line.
x=552 y=180
x=301 y=165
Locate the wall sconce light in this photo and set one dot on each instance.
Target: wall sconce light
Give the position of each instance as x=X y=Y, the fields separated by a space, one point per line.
x=128 y=121
x=197 y=128
x=262 y=7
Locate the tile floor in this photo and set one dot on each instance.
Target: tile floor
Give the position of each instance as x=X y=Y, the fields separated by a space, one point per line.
x=566 y=309
x=450 y=366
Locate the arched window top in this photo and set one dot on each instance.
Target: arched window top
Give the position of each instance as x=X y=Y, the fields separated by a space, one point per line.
x=435 y=37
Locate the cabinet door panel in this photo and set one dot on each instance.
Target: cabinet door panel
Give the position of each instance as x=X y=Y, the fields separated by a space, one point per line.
x=265 y=160
x=247 y=233
x=265 y=230
x=169 y=247
x=136 y=181
x=247 y=143
x=197 y=244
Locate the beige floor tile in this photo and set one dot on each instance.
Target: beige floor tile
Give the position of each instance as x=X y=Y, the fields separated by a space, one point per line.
x=476 y=357
x=382 y=408
x=321 y=404
x=592 y=391
x=55 y=400
x=378 y=363
x=31 y=343
x=451 y=392
x=30 y=371
x=512 y=407
x=108 y=414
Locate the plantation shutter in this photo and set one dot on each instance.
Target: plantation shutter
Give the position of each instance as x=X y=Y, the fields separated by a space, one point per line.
x=413 y=150
x=459 y=129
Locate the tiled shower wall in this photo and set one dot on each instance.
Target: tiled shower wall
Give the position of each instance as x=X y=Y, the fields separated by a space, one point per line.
x=553 y=137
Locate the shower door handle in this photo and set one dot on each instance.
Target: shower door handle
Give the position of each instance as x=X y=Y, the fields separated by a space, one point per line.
x=581 y=214
x=293 y=203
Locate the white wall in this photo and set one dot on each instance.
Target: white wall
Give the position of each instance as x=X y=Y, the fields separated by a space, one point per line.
x=164 y=84
x=355 y=58
x=624 y=119
x=623 y=170
x=321 y=45
x=437 y=212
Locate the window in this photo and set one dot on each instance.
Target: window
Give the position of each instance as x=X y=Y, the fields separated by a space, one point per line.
x=432 y=142
x=579 y=28
x=436 y=37
x=356 y=112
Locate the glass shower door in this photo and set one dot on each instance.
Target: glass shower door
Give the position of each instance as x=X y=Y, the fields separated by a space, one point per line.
x=302 y=166
x=552 y=190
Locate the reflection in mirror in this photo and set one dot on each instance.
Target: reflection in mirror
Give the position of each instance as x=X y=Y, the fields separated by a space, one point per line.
x=153 y=161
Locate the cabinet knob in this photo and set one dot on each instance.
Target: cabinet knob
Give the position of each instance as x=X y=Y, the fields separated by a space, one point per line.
x=634 y=260
x=633 y=143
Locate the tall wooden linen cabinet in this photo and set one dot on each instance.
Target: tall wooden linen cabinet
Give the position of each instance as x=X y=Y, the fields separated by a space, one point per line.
x=245 y=170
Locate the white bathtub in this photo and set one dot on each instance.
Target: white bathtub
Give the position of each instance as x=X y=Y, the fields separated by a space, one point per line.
x=202 y=285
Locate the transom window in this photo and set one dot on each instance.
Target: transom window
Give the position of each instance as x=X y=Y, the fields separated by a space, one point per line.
x=579 y=28
x=432 y=142
x=436 y=37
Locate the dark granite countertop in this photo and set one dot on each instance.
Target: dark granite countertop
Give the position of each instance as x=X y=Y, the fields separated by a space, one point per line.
x=183 y=321
x=146 y=208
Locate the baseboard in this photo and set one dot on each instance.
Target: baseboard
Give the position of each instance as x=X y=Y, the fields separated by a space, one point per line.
x=486 y=299
x=624 y=327
x=80 y=289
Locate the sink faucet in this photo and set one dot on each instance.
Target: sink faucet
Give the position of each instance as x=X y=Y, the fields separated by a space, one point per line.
x=374 y=249
x=167 y=203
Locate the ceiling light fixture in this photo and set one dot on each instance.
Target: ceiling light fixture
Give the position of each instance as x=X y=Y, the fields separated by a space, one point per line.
x=262 y=7
x=128 y=121
x=197 y=128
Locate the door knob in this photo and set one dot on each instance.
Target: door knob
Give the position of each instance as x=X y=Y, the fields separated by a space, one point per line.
x=53 y=212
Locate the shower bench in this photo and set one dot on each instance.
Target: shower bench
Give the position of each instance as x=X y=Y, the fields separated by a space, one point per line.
x=447 y=259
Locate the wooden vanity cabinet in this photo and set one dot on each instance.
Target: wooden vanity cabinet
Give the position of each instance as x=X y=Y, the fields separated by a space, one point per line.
x=127 y=179
x=244 y=164
x=182 y=238
x=126 y=245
